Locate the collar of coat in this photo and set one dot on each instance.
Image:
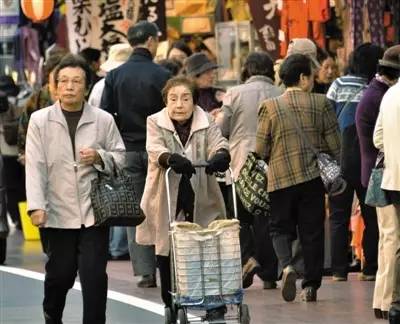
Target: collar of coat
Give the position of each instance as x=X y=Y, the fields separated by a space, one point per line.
x=201 y=120
x=259 y=78
x=141 y=53
x=88 y=114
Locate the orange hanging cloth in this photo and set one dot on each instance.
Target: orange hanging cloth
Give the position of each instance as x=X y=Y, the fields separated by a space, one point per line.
x=303 y=19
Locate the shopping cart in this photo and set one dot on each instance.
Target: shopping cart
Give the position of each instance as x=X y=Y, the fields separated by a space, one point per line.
x=206 y=268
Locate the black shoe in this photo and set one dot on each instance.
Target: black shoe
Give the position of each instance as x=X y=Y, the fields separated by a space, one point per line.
x=385 y=315
x=378 y=313
x=123 y=257
x=216 y=314
x=249 y=269
x=309 y=294
x=148 y=281
x=394 y=316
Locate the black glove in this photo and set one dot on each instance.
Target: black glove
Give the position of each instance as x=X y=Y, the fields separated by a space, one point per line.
x=180 y=164
x=219 y=162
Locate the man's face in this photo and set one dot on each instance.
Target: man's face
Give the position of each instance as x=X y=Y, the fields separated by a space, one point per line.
x=71 y=86
x=153 y=45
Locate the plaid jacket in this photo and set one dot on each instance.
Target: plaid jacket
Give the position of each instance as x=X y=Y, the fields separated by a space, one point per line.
x=289 y=158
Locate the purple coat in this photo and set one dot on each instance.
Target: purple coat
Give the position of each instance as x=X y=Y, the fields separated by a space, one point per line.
x=366 y=116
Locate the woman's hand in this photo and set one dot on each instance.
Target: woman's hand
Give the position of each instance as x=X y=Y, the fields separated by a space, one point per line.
x=89 y=156
x=219 y=162
x=39 y=217
x=181 y=165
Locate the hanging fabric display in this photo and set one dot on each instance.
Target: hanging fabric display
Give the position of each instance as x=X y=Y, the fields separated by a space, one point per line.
x=367 y=22
x=266 y=21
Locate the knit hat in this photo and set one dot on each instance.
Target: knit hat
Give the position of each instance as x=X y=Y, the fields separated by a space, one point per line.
x=117 y=55
x=199 y=63
x=391 y=58
x=306 y=47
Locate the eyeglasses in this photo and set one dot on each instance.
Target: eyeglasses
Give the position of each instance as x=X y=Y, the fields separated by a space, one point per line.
x=75 y=82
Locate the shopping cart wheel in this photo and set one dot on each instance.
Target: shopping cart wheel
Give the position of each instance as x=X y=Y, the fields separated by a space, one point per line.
x=168 y=316
x=182 y=316
x=244 y=314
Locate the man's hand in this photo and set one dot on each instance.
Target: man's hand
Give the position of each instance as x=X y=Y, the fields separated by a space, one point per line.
x=89 y=156
x=39 y=217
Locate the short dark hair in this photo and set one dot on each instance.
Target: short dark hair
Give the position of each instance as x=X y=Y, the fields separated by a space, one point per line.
x=258 y=63
x=292 y=67
x=50 y=65
x=364 y=60
x=391 y=73
x=171 y=65
x=71 y=60
x=90 y=54
x=182 y=46
x=177 y=81
x=141 y=31
x=322 y=55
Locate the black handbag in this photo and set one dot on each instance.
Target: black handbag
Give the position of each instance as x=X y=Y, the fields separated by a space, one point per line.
x=115 y=201
x=251 y=186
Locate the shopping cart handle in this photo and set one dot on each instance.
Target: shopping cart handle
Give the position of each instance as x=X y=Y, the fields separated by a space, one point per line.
x=200 y=164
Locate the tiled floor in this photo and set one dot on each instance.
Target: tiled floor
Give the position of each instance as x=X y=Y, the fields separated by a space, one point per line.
x=342 y=302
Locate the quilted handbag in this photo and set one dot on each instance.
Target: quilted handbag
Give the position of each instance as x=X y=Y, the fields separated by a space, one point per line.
x=251 y=186
x=331 y=175
x=114 y=199
x=376 y=196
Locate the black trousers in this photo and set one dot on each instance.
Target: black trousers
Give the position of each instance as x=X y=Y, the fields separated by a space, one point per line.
x=300 y=207
x=70 y=251
x=15 y=186
x=255 y=241
x=163 y=264
x=339 y=219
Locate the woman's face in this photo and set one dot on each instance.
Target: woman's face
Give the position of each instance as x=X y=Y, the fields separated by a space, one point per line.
x=71 y=86
x=326 y=73
x=177 y=54
x=180 y=103
x=206 y=79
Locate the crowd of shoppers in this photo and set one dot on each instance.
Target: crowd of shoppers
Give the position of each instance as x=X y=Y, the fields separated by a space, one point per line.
x=149 y=121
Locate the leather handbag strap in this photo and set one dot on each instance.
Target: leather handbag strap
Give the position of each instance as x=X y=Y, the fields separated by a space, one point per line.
x=299 y=130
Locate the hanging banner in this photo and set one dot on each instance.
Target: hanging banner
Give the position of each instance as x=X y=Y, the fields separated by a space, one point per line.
x=266 y=21
x=154 y=11
x=99 y=23
x=9 y=18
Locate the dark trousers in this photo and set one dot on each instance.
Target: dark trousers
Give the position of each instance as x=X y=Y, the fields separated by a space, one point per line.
x=15 y=186
x=340 y=213
x=300 y=207
x=70 y=251
x=163 y=264
x=255 y=241
x=142 y=256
